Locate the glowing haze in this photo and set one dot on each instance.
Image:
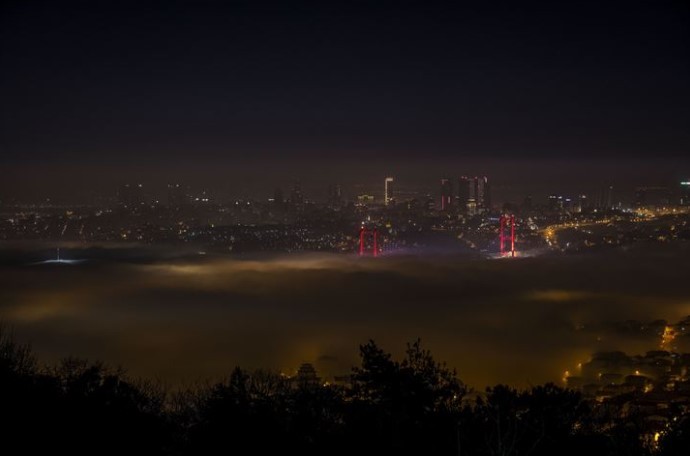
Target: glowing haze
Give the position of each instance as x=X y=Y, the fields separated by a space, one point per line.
x=495 y=321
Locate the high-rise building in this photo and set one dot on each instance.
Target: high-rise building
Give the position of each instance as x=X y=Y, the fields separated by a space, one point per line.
x=483 y=192
x=464 y=191
x=389 y=191
x=685 y=193
x=306 y=374
x=568 y=205
x=652 y=196
x=606 y=198
x=446 y=194
x=296 y=201
x=474 y=194
x=555 y=203
x=296 y=196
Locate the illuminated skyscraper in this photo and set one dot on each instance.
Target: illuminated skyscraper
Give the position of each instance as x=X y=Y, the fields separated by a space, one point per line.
x=446 y=194
x=466 y=195
x=605 y=200
x=388 y=191
x=474 y=194
x=583 y=202
x=685 y=193
x=483 y=192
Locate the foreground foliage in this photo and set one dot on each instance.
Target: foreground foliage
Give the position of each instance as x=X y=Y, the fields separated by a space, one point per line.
x=412 y=406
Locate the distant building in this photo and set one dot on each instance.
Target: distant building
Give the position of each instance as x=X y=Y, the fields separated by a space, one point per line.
x=652 y=197
x=568 y=205
x=474 y=194
x=583 y=202
x=605 y=200
x=465 y=192
x=483 y=193
x=685 y=193
x=429 y=203
x=389 y=191
x=296 y=196
x=201 y=199
x=365 y=199
x=446 y=194
x=472 y=207
x=555 y=203
x=306 y=374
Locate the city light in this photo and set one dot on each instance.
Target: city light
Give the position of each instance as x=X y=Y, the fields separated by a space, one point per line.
x=247 y=228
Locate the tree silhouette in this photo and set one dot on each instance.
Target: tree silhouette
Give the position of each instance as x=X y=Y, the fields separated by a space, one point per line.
x=76 y=407
x=407 y=406
x=411 y=406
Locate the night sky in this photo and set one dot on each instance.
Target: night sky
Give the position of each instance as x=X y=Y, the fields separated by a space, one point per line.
x=90 y=88
x=242 y=97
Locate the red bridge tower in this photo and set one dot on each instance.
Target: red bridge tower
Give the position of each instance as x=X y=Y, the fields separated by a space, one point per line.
x=364 y=234
x=507 y=221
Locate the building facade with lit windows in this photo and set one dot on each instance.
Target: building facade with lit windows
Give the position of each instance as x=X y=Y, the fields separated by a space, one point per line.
x=389 y=191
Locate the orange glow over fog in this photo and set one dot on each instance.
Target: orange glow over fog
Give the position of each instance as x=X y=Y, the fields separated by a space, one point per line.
x=182 y=321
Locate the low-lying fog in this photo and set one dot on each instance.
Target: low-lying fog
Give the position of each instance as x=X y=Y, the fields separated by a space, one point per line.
x=184 y=319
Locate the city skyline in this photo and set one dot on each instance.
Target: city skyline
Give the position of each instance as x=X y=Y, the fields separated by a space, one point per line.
x=511 y=192
x=246 y=226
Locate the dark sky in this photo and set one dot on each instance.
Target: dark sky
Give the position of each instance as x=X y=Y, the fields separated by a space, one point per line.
x=175 y=83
